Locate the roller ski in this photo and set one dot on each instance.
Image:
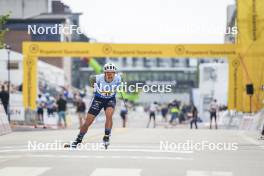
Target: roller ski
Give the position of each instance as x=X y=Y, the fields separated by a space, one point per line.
x=106 y=141
x=74 y=144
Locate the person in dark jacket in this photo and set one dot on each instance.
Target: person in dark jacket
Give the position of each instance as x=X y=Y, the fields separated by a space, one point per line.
x=4 y=97
x=262 y=133
x=194 y=117
x=61 y=108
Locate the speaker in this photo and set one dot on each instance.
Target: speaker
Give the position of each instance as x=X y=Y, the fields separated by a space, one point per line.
x=250 y=89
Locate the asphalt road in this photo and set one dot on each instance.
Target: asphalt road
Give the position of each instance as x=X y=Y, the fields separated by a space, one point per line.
x=133 y=152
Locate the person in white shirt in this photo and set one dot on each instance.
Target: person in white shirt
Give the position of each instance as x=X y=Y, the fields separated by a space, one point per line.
x=152 y=113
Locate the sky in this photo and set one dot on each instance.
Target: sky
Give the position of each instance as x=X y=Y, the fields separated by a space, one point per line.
x=153 y=21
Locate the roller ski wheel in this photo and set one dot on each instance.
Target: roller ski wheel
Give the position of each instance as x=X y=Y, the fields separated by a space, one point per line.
x=67 y=146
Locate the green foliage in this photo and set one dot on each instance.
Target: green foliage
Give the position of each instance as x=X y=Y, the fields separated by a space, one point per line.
x=3 y=30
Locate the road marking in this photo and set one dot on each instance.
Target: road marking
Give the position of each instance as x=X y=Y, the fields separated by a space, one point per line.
x=111 y=157
x=208 y=173
x=11 y=147
x=11 y=156
x=149 y=151
x=112 y=146
x=100 y=150
x=23 y=171
x=136 y=146
x=96 y=157
x=116 y=172
x=17 y=150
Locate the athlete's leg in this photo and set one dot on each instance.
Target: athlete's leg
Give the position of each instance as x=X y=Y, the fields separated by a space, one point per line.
x=109 y=107
x=94 y=110
x=83 y=130
x=109 y=111
x=80 y=120
x=87 y=123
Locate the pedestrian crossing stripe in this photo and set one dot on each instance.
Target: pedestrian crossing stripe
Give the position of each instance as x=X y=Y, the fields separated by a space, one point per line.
x=116 y=172
x=208 y=173
x=23 y=171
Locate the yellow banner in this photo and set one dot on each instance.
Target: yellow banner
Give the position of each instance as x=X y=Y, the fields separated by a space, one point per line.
x=80 y=49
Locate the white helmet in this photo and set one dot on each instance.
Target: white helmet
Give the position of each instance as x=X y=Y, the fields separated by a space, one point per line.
x=109 y=67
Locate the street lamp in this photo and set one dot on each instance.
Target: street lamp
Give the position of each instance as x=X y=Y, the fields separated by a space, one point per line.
x=8 y=73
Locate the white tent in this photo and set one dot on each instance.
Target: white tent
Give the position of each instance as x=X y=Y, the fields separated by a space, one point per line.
x=49 y=73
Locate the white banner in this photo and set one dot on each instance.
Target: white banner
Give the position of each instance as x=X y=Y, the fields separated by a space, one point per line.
x=4 y=124
x=17 y=112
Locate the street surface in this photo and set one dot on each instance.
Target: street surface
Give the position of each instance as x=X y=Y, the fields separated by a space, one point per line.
x=133 y=151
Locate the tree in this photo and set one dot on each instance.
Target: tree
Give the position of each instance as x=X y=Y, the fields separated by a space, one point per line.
x=3 y=30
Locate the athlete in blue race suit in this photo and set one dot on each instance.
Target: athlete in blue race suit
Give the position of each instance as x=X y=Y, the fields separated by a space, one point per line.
x=105 y=86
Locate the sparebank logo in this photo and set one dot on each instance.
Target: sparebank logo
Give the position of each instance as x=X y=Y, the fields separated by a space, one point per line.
x=33 y=48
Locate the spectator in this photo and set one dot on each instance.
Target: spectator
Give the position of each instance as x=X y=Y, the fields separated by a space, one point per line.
x=262 y=133
x=194 y=117
x=213 y=113
x=40 y=110
x=152 y=113
x=4 y=97
x=50 y=105
x=164 y=112
x=62 y=107
x=174 y=112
